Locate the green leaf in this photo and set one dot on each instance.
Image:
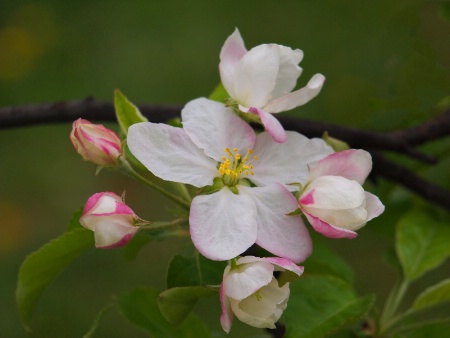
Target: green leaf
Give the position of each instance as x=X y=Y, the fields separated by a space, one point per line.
x=41 y=267
x=140 y=307
x=336 y=144
x=131 y=250
x=175 y=304
x=193 y=271
x=127 y=113
x=432 y=296
x=434 y=330
x=445 y=10
x=325 y=261
x=320 y=305
x=97 y=319
x=219 y=94
x=421 y=243
x=74 y=222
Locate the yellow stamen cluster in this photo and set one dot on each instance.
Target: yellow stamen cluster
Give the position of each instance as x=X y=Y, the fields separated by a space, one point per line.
x=234 y=165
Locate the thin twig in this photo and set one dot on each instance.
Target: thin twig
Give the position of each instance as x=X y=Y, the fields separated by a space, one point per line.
x=401 y=141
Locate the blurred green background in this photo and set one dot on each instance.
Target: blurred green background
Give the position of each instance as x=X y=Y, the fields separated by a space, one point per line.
x=387 y=66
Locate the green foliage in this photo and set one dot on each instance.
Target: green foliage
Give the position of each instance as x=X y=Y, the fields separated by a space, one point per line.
x=127 y=113
x=175 y=304
x=422 y=243
x=140 y=307
x=134 y=246
x=96 y=322
x=445 y=10
x=432 y=296
x=324 y=261
x=186 y=280
x=194 y=271
x=219 y=94
x=320 y=305
x=336 y=144
x=74 y=222
x=41 y=267
x=434 y=330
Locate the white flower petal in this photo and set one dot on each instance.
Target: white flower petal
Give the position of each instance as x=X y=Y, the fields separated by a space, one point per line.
x=374 y=206
x=223 y=225
x=246 y=279
x=284 y=236
x=288 y=71
x=286 y=162
x=354 y=164
x=271 y=124
x=350 y=219
x=214 y=127
x=262 y=311
x=256 y=75
x=232 y=51
x=297 y=98
x=111 y=234
x=333 y=193
x=169 y=154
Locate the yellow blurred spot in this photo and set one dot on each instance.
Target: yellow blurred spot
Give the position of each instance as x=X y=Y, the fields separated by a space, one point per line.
x=17 y=56
x=26 y=35
x=12 y=229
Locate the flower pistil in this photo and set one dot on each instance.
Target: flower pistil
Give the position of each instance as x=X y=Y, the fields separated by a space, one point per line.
x=234 y=165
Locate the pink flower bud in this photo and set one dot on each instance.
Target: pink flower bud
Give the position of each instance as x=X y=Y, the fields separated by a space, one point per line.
x=111 y=220
x=95 y=143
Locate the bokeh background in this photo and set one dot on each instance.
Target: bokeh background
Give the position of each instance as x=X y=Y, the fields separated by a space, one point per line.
x=387 y=67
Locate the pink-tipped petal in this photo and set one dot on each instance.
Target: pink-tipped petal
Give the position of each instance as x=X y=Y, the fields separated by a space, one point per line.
x=288 y=71
x=354 y=164
x=222 y=225
x=123 y=209
x=256 y=74
x=214 y=127
x=232 y=51
x=329 y=230
x=282 y=235
x=169 y=153
x=271 y=124
x=96 y=143
x=298 y=97
x=286 y=162
x=226 y=317
x=92 y=201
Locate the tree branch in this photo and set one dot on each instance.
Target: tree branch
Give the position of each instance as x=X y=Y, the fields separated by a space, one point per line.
x=402 y=141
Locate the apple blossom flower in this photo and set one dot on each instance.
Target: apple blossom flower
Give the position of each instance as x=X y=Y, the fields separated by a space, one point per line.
x=251 y=292
x=261 y=80
x=246 y=201
x=333 y=199
x=96 y=143
x=111 y=220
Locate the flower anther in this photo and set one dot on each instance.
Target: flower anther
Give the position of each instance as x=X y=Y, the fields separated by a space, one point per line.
x=234 y=166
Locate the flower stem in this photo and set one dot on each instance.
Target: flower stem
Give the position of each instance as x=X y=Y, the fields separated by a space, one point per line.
x=182 y=189
x=389 y=316
x=175 y=198
x=163 y=225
